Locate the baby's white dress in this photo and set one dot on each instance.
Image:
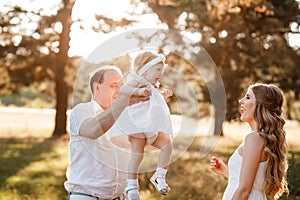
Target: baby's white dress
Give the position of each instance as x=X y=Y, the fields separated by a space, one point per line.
x=234 y=165
x=149 y=117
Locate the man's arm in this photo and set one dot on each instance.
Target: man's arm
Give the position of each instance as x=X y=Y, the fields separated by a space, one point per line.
x=95 y=127
x=131 y=89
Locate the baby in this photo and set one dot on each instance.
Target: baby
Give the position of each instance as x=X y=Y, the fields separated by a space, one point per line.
x=146 y=122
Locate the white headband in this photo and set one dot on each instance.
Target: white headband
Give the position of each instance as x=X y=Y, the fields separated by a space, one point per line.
x=147 y=66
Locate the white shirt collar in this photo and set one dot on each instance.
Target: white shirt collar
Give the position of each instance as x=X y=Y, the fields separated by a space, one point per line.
x=96 y=106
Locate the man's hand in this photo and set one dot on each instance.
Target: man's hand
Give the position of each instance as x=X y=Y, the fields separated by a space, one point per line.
x=135 y=99
x=146 y=92
x=142 y=96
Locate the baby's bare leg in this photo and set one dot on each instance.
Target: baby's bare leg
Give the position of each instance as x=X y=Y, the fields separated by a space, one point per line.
x=138 y=142
x=163 y=142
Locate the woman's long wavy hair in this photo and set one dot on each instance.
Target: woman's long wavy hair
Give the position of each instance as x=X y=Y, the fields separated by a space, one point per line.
x=268 y=111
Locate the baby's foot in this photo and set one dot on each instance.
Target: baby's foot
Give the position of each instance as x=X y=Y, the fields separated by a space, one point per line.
x=160 y=184
x=131 y=193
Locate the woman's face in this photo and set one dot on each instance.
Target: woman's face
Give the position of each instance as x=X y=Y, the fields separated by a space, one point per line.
x=154 y=74
x=247 y=107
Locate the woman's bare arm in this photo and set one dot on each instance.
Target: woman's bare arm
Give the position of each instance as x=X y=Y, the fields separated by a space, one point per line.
x=252 y=151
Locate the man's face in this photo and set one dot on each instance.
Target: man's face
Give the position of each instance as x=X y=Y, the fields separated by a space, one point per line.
x=107 y=92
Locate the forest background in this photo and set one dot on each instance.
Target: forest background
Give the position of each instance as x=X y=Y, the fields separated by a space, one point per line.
x=43 y=49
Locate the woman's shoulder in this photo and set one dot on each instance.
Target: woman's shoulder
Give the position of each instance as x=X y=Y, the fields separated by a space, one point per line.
x=254 y=138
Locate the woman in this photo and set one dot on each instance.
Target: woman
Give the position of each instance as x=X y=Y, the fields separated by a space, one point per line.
x=258 y=167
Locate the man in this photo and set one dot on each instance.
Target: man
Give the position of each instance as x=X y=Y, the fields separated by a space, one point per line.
x=95 y=170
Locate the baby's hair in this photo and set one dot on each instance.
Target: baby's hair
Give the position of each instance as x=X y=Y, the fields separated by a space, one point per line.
x=142 y=59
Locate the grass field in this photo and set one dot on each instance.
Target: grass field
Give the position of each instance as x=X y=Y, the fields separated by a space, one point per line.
x=32 y=165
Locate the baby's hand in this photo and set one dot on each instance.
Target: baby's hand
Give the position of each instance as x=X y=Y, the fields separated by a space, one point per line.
x=167 y=93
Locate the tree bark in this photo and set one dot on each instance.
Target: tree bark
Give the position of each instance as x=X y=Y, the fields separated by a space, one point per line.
x=61 y=61
x=61 y=90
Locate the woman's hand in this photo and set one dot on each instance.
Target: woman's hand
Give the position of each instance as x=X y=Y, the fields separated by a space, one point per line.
x=218 y=167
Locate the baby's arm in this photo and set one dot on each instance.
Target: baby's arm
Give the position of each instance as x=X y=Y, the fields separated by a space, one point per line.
x=131 y=89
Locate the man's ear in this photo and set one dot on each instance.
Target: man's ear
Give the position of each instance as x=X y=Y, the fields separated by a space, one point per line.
x=95 y=86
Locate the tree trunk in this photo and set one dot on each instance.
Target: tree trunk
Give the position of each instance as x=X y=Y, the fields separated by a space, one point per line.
x=61 y=61
x=61 y=90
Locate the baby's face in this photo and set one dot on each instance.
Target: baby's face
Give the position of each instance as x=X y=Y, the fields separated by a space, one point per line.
x=154 y=74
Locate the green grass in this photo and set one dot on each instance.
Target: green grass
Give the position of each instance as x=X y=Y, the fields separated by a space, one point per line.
x=32 y=169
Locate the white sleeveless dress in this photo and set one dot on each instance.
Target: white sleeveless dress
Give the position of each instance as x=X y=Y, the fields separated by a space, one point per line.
x=149 y=117
x=234 y=165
